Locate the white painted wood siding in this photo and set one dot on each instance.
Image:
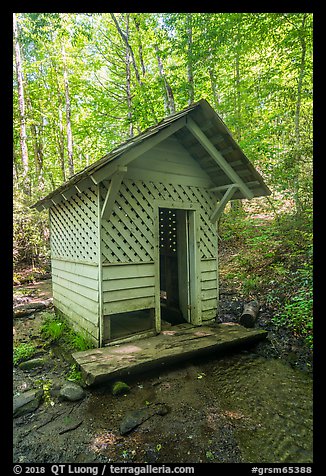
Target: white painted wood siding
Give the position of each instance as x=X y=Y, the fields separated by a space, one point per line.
x=209 y=288
x=75 y=293
x=128 y=287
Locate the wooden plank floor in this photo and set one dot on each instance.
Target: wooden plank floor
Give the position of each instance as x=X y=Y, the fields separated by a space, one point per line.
x=176 y=344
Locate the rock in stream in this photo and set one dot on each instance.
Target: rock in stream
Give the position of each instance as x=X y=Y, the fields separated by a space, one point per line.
x=137 y=417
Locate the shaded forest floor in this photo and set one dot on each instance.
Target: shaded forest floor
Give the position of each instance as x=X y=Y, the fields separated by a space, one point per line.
x=197 y=428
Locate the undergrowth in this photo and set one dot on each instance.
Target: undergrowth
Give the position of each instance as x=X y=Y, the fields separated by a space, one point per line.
x=272 y=262
x=57 y=330
x=22 y=352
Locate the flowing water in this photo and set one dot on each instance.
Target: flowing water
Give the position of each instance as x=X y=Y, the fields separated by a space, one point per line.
x=271 y=406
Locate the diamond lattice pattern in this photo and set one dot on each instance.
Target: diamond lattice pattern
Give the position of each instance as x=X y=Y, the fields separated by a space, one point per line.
x=129 y=234
x=74 y=227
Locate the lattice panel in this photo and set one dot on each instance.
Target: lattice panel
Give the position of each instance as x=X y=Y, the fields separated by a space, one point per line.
x=129 y=234
x=74 y=227
x=208 y=232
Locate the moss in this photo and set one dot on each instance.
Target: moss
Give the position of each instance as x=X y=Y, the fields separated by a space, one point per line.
x=120 y=388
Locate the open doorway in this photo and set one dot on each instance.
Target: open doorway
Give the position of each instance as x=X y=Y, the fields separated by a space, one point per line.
x=175 y=265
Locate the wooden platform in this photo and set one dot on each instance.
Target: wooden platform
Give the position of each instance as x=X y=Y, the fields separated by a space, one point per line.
x=173 y=345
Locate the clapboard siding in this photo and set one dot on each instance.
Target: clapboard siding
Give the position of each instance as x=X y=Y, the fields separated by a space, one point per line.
x=131 y=293
x=128 y=270
x=77 y=288
x=85 y=281
x=209 y=304
x=76 y=317
x=90 y=307
x=209 y=288
x=128 y=287
x=170 y=151
x=129 y=305
x=127 y=283
x=209 y=314
x=79 y=269
x=75 y=292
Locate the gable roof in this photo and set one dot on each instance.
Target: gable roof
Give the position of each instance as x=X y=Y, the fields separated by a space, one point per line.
x=201 y=131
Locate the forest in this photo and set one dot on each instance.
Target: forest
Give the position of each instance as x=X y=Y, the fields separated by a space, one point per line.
x=84 y=83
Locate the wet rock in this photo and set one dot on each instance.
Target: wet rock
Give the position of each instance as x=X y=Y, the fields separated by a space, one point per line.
x=71 y=391
x=137 y=417
x=27 y=402
x=120 y=388
x=34 y=363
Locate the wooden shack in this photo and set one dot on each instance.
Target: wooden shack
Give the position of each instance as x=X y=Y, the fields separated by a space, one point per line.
x=133 y=236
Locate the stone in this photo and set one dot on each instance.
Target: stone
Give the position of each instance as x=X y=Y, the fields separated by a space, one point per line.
x=34 y=363
x=137 y=417
x=27 y=402
x=71 y=391
x=120 y=388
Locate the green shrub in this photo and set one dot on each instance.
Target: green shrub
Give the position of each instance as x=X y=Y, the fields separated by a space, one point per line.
x=53 y=328
x=30 y=232
x=79 y=341
x=23 y=352
x=297 y=313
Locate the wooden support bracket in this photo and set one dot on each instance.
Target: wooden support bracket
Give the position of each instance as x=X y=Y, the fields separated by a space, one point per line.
x=218 y=158
x=112 y=192
x=84 y=184
x=222 y=203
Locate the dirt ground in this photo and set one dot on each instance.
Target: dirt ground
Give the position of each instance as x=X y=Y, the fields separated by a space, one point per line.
x=197 y=428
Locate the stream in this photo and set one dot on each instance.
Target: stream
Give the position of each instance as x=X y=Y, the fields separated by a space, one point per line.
x=238 y=407
x=271 y=404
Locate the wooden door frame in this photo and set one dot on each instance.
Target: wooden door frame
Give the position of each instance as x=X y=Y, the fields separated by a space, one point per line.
x=194 y=258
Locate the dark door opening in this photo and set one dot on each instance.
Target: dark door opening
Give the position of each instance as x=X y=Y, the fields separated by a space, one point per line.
x=174 y=269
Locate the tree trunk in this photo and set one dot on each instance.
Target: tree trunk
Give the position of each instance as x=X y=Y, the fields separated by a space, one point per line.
x=169 y=105
x=126 y=40
x=128 y=80
x=68 y=114
x=249 y=314
x=60 y=131
x=21 y=99
x=38 y=149
x=238 y=93
x=298 y=114
x=190 y=74
x=140 y=47
x=213 y=87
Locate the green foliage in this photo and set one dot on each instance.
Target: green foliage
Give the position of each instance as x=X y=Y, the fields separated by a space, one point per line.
x=251 y=285
x=53 y=328
x=274 y=265
x=297 y=313
x=79 y=341
x=254 y=68
x=23 y=352
x=31 y=234
x=57 y=329
x=74 y=375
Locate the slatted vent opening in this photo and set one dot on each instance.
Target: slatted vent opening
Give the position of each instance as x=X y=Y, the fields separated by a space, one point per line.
x=74 y=227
